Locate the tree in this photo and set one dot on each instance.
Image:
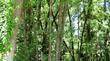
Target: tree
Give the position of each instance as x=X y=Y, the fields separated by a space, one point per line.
x=50 y=22
x=54 y=30
x=106 y=35
x=59 y=34
x=18 y=19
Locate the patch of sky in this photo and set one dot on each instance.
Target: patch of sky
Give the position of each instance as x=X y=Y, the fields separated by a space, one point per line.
x=74 y=17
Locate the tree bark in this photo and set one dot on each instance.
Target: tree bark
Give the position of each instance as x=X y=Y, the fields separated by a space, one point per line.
x=59 y=35
x=50 y=28
x=17 y=18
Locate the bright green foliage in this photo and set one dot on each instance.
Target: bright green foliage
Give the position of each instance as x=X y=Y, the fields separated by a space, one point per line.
x=85 y=37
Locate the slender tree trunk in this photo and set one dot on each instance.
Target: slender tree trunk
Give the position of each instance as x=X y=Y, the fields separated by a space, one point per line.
x=87 y=16
x=72 y=55
x=50 y=28
x=39 y=24
x=106 y=35
x=17 y=18
x=59 y=35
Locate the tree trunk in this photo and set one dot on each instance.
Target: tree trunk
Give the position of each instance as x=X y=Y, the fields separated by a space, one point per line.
x=17 y=18
x=50 y=28
x=59 y=35
x=106 y=35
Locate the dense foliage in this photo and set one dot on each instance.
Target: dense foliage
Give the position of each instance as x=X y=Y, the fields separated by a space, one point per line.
x=54 y=30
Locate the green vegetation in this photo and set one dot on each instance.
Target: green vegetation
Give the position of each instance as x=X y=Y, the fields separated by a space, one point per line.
x=54 y=30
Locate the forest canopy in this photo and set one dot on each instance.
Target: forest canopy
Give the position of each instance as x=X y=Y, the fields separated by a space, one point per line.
x=54 y=30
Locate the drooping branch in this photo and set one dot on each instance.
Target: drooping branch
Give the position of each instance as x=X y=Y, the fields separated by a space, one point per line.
x=67 y=48
x=54 y=19
x=54 y=16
